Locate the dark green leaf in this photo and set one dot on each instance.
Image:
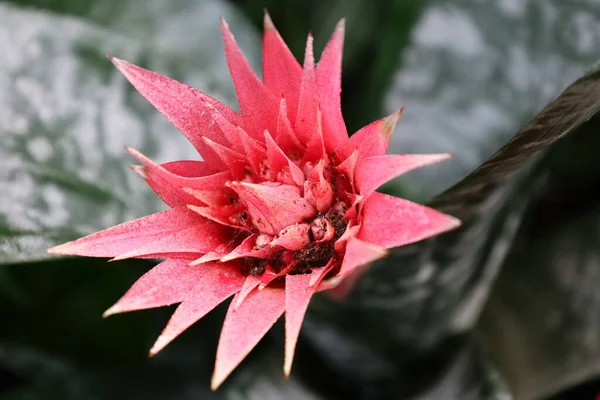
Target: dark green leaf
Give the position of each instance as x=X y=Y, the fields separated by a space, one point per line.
x=407 y=309
x=466 y=377
x=42 y=376
x=542 y=323
x=67 y=298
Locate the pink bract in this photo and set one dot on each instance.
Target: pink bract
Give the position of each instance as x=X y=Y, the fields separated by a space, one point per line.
x=283 y=205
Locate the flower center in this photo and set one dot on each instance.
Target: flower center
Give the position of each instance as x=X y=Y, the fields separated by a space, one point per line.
x=320 y=250
x=289 y=218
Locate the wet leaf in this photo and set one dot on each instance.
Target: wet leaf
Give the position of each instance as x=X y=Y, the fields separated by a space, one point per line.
x=467 y=376
x=66 y=115
x=475 y=72
x=542 y=323
x=409 y=307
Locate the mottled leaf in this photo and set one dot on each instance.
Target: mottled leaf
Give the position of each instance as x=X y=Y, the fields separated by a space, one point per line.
x=542 y=323
x=66 y=115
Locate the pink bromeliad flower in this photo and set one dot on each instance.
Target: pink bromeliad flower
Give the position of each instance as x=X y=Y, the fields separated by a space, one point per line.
x=283 y=205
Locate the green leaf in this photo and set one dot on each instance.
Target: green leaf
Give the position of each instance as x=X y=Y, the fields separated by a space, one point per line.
x=422 y=294
x=57 y=307
x=43 y=376
x=542 y=322
x=467 y=377
x=67 y=114
x=475 y=72
x=407 y=310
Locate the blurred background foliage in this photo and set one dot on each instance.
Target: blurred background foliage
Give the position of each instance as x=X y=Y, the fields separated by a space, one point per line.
x=508 y=307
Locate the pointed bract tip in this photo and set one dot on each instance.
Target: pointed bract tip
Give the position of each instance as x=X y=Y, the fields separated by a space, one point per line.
x=224 y=24
x=195 y=263
x=140 y=170
x=52 y=250
x=216 y=380
x=453 y=222
x=157 y=346
x=287 y=370
x=341 y=25
x=115 y=309
x=133 y=152
x=117 y=62
x=60 y=249
x=268 y=22
x=389 y=123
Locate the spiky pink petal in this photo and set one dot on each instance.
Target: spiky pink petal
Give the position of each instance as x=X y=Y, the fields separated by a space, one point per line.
x=270 y=275
x=227 y=156
x=249 y=248
x=329 y=83
x=207 y=182
x=286 y=137
x=131 y=235
x=173 y=196
x=183 y=106
x=308 y=102
x=359 y=253
x=298 y=291
x=165 y=284
x=374 y=139
x=258 y=105
x=282 y=73
x=255 y=153
x=373 y=172
x=272 y=208
x=278 y=160
x=215 y=254
x=227 y=215
x=211 y=198
x=339 y=288
x=243 y=328
x=347 y=168
x=188 y=168
x=317 y=189
x=203 y=236
x=389 y=221
x=315 y=148
x=350 y=232
x=229 y=130
x=214 y=285
x=250 y=283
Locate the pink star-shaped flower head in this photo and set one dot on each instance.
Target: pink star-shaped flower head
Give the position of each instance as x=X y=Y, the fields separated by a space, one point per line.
x=283 y=205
